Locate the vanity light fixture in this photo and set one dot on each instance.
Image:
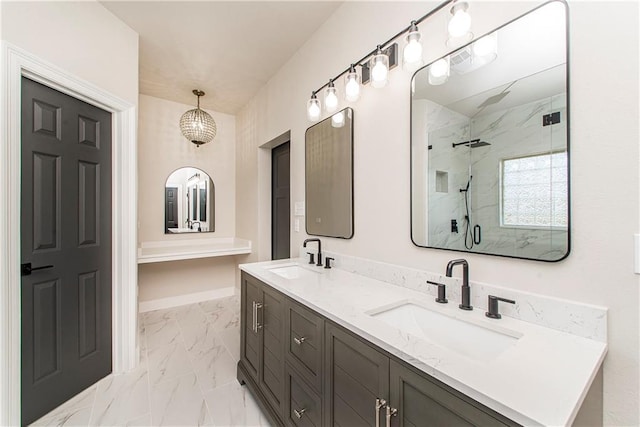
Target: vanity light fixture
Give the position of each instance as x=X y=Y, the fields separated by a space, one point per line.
x=412 y=54
x=197 y=125
x=337 y=120
x=375 y=65
x=439 y=71
x=352 y=85
x=313 y=108
x=330 y=98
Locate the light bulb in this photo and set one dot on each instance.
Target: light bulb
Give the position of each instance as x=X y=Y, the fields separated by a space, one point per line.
x=313 y=108
x=460 y=22
x=412 y=54
x=337 y=120
x=487 y=45
x=379 y=69
x=439 y=72
x=330 y=98
x=352 y=85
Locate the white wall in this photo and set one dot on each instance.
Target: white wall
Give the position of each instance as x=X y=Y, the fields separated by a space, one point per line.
x=83 y=38
x=604 y=126
x=161 y=150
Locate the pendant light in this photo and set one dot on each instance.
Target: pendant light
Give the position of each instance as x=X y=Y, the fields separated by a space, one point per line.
x=379 y=68
x=313 y=108
x=330 y=98
x=352 y=85
x=197 y=125
x=412 y=54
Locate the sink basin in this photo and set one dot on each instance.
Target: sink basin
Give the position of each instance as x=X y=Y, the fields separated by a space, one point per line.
x=291 y=271
x=468 y=339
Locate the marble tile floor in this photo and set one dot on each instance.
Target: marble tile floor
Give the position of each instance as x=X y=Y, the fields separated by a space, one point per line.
x=186 y=375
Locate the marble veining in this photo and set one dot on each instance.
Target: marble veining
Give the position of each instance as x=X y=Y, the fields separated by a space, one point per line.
x=186 y=375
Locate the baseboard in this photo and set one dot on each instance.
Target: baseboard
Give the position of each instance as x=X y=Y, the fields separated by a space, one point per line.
x=178 y=300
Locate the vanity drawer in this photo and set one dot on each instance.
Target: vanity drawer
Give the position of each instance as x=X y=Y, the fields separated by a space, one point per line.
x=305 y=335
x=304 y=406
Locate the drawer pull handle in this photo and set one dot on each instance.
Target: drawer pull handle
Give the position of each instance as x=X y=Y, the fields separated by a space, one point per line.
x=391 y=412
x=299 y=413
x=258 y=324
x=299 y=341
x=379 y=404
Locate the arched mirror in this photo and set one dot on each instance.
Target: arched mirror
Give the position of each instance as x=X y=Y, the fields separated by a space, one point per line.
x=189 y=200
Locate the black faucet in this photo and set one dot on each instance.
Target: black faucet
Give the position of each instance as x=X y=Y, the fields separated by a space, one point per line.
x=319 y=263
x=194 y=223
x=466 y=290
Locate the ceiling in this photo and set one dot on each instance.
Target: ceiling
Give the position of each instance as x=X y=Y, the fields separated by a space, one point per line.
x=228 y=49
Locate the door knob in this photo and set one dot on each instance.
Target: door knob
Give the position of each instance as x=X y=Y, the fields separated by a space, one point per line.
x=26 y=268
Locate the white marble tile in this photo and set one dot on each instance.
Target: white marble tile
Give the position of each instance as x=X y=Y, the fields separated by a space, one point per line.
x=142 y=421
x=72 y=406
x=167 y=362
x=162 y=333
x=231 y=339
x=233 y=405
x=151 y=317
x=225 y=313
x=121 y=397
x=74 y=417
x=215 y=368
x=179 y=402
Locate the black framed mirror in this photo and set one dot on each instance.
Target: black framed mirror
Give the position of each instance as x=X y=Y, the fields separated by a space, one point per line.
x=490 y=143
x=189 y=202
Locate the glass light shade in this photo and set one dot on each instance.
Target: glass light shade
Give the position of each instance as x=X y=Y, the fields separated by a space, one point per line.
x=439 y=72
x=352 y=86
x=379 y=69
x=313 y=109
x=198 y=126
x=330 y=99
x=460 y=22
x=337 y=120
x=412 y=54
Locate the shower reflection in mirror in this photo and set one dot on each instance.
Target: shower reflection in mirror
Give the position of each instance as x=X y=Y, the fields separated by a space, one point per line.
x=189 y=202
x=490 y=143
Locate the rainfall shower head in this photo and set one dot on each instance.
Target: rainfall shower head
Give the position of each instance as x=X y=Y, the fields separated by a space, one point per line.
x=474 y=143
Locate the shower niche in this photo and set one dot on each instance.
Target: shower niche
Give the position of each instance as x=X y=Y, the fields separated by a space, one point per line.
x=490 y=143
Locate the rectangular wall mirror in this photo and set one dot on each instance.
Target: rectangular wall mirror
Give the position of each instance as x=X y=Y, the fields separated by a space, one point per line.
x=329 y=176
x=490 y=143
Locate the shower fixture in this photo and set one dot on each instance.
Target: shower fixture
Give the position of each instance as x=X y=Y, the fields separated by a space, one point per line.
x=474 y=143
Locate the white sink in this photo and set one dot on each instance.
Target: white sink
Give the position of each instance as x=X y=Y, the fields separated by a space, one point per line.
x=473 y=340
x=291 y=271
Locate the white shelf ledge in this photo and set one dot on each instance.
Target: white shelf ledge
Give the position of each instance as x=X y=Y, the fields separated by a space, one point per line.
x=163 y=251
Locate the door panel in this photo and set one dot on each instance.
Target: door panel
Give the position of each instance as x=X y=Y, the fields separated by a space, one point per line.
x=65 y=224
x=280 y=202
x=271 y=375
x=171 y=208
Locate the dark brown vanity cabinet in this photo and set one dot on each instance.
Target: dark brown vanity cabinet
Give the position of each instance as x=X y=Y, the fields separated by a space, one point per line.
x=306 y=370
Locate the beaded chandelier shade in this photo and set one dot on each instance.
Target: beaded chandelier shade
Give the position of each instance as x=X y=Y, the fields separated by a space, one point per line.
x=197 y=125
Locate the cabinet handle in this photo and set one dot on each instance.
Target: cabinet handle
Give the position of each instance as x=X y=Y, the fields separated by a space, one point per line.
x=379 y=404
x=258 y=324
x=299 y=413
x=255 y=315
x=391 y=412
x=299 y=341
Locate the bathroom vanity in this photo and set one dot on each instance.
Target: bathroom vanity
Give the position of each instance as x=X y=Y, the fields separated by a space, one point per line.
x=330 y=347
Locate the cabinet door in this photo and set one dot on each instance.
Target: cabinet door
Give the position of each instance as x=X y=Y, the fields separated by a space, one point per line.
x=249 y=338
x=271 y=372
x=357 y=374
x=304 y=338
x=421 y=401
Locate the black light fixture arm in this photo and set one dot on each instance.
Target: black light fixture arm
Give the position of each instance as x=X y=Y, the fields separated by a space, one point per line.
x=362 y=60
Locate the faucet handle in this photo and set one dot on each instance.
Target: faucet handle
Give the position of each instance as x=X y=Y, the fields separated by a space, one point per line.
x=493 y=306
x=311 y=255
x=442 y=292
x=327 y=261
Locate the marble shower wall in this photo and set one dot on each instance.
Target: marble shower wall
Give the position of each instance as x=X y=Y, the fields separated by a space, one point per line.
x=513 y=132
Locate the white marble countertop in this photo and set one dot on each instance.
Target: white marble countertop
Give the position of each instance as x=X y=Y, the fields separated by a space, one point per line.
x=541 y=379
x=176 y=250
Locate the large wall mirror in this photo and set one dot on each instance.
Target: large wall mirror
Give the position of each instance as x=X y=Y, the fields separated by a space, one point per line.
x=490 y=143
x=189 y=202
x=329 y=176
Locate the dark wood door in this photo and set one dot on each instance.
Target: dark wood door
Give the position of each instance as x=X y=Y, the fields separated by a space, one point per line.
x=171 y=208
x=357 y=375
x=280 y=203
x=66 y=227
x=423 y=401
